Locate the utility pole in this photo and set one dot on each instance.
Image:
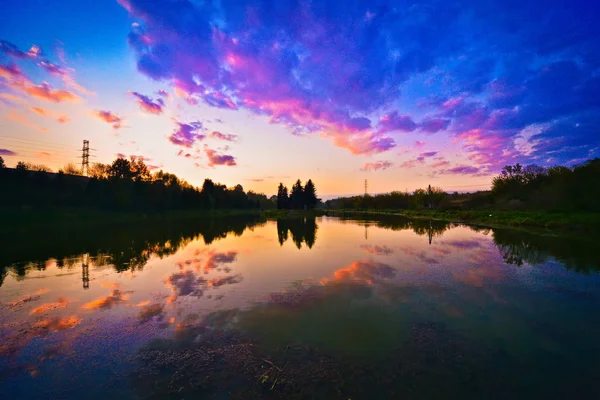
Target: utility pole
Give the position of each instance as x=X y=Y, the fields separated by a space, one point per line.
x=429 y=196
x=85 y=158
x=85 y=271
x=366 y=184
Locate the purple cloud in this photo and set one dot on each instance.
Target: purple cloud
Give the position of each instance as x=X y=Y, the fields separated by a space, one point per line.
x=229 y=137
x=330 y=70
x=6 y=152
x=396 y=122
x=461 y=170
x=219 y=159
x=376 y=166
x=149 y=105
x=186 y=134
x=219 y=100
x=434 y=125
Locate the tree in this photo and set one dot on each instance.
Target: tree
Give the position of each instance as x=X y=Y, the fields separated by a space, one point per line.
x=99 y=171
x=2 y=165
x=120 y=169
x=71 y=169
x=310 y=195
x=297 y=196
x=22 y=166
x=282 y=197
x=139 y=170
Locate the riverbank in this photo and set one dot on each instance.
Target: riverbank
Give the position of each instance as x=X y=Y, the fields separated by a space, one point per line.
x=20 y=220
x=580 y=222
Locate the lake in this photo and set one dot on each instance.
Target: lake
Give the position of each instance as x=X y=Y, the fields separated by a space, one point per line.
x=334 y=308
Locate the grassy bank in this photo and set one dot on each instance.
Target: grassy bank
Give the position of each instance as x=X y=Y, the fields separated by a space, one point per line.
x=19 y=220
x=585 y=222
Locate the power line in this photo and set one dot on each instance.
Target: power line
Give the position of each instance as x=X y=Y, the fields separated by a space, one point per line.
x=38 y=142
x=30 y=148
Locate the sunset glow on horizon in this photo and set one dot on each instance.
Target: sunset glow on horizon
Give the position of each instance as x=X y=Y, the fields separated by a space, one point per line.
x=405 y=94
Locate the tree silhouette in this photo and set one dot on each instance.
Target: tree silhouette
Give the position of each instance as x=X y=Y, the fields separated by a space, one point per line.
x=70 y=169
x=282 y=197
x=121 y=169
x=297 y=196
x=2 y=165
x=310 y=195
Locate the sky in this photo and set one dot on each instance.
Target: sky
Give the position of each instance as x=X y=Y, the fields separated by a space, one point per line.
x=401 y=93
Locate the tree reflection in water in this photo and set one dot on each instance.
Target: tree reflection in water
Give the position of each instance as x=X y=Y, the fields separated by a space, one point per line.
x=124 y=247
x=302 y=230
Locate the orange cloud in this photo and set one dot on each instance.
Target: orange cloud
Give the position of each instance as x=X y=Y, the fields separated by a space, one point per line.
x=44 y=92
x=60 y=303
x=56 y=324
x=363 y=272
x=14 y=116
x=114 y=299
x=60 y=118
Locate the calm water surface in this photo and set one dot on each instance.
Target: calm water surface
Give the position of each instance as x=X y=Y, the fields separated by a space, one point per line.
x=304 y=308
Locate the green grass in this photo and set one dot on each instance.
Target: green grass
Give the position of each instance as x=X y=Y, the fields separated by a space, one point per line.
x=565 y=221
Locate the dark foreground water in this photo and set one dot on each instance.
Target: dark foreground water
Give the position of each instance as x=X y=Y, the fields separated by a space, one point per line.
x=326 y=308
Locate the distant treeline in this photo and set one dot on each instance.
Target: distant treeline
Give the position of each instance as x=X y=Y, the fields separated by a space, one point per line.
x=516 y=188
x=123 y=185
x=300 y=198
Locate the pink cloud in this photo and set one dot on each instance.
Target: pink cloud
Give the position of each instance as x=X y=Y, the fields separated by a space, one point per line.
x=412 y=163
x=163 y=93
x=149 y=105
x=378 y=165
x=439 y=163
x=109 y=118
x=223 y=136
x=419 y=144
x=219 y=159
x=187 y=134
x=35 y=54
x=486 y=148
x=11 y=71
x=363 y=144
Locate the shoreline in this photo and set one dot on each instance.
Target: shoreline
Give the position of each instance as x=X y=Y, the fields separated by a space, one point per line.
x=574 y=222
x=23 y=219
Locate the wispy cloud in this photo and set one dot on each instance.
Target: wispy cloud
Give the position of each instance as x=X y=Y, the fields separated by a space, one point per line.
x=223 y=136
x=149 y=105
x=376 y=166
x=60 y=118
x=109 y=118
